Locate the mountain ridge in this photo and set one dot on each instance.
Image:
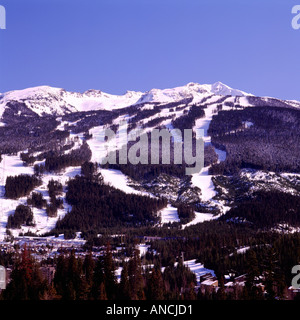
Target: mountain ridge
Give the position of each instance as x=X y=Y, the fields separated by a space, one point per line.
x=48 y=100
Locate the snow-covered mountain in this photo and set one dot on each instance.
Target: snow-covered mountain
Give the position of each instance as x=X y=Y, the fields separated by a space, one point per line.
x=48 y=100
x=62 y=141
x=191 y=90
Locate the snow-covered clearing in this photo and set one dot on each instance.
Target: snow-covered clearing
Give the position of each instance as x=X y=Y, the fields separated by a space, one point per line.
x=200 y=217
x=169 y=214
x=12 y=165
x=118 y=180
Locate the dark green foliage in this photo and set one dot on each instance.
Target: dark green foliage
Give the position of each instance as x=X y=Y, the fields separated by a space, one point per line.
x=90 y=171
x=27 y=158
x=271 y=142
x=177 y=279
x=155 y=285
x=96 y=205
x=22 y=216
x=75 y=158
x=268 y=209
x=27 y=130
x=89 y=119
x=156 y=121
x=187 y=121
x=20 y=186
x=68 y=280
x=140 y=172
x=51 y=210
x=54 y=188
x=136 y=280
x=37 y=200
x=124 y=287
x=210 y=156
x=185 y=213
x=39 y=169
x=26 y=281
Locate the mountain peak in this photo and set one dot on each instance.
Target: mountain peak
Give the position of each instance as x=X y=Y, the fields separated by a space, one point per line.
x=50 y=100
x=224 y=90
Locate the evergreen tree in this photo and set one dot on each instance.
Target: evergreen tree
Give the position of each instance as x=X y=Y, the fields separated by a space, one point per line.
x=60 y=276
x=155 y=285
x=98 y=288
x=221 y=295
x=88 y=269
x=68 y=279
x=251 y=291
x=110 y=280
x=274 y=278
x=124 y=286
x=26 y=281
x=136 y=281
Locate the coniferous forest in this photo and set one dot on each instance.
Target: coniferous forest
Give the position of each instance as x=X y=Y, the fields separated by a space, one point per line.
x=159 y=276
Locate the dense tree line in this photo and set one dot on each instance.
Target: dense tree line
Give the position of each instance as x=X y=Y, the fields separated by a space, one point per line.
x=28 y=158
x=144 y=114
x=96 y=205
x=74 y=158
x=260 y=138
x=55 y=188
x=95 y=279
x=185 y=213
x=155 y=122
x=267 y=210
x=268 y=259
x=27 y=130
x=20 y=186
x=140 y=171
x=37 y=200
x=187 y=121
x=210 y=156
x=23 y=215
x=26 y=282
x=85 y=120
x=90 y=170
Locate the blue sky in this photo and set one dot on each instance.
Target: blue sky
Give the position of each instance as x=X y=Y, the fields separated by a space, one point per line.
x=119 y=45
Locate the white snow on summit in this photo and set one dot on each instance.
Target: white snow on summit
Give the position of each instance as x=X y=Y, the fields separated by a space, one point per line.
x=49 y=100
x=191 y=90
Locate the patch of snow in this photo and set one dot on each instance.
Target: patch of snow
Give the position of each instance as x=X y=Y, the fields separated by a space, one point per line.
x=198 y=269
x=143 y=248
x=204 y=182
x=221 y=154
x=118 y=180
x=169 y=214
x=199 y=218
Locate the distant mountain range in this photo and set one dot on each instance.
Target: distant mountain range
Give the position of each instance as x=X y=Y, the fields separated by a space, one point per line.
x=48 y=100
